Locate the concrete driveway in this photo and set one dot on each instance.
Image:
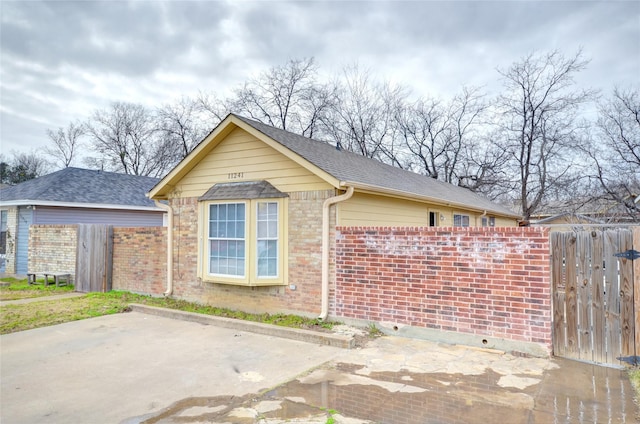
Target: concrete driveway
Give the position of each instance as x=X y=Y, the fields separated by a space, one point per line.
x=112 y=368
x=135 y=367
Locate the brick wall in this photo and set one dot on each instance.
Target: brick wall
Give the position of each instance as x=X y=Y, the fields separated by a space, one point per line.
x=304 y=269
x=489 y=282
x=139 y=259
x=53 y=248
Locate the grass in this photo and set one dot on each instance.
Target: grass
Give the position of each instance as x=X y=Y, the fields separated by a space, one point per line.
x=19 y=317
x=634 y=376
x=20 y=289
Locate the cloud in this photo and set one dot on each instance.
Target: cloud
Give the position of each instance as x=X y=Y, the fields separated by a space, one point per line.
x=60 y=60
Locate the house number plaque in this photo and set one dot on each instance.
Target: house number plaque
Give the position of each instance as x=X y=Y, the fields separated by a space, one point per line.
x=235 y=175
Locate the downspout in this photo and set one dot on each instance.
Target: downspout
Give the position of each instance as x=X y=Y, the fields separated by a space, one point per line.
x=169 y=211
x=325 y=247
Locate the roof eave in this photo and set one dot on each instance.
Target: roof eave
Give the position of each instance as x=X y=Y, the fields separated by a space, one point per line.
x=162 y=190
x=412 y=196
x=28 y=202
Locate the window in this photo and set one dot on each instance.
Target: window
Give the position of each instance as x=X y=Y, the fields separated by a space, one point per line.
x=489 y=221
x=433 y=219
x=243 y=227
x=245 y=242
x=227 y=244
x=460 y=220
x=267 y=238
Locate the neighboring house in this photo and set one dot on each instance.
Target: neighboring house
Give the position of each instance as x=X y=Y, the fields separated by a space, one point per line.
x=566 y=221
x=254 y=207
x=71 y=196
x=580 y=210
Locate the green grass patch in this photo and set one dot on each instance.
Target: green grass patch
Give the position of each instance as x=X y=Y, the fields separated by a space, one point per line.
x=43 y=313
x=20 y=289
x=634 y=376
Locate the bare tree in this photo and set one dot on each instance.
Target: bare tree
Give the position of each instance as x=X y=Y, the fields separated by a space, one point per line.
x=66 y=143
x=286 y=97
x=212 y=108
x=538 y=119
x=446 y=141
x=425 y=127
x=617 y=154
x=364 y=118
x=181 y=125
x=125 y=135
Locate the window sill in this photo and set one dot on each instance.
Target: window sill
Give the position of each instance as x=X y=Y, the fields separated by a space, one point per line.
x=243 y=283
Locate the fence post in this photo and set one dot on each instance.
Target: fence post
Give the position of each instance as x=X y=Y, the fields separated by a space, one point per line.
x=636 y=289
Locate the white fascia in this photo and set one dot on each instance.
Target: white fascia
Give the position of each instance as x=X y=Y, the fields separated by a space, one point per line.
x=28 y=202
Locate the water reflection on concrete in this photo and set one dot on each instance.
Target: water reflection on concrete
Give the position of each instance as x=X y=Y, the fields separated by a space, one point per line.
x=347 y=393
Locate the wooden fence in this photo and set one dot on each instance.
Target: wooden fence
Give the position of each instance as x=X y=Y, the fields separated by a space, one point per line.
x=593 y=295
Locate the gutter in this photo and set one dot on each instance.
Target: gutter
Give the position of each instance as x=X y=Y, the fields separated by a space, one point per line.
x=325 y=248
x=427 y=199
x=169 y=211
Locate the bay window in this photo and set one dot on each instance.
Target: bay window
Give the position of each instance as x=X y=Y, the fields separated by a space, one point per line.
x=243 y=239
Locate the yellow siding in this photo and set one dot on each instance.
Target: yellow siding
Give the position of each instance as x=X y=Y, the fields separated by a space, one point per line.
x=381 y=211
x=367 y=210
x=242 y=157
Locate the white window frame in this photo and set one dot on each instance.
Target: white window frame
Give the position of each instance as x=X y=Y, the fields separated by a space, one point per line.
x=211 y=239
x=250 y=277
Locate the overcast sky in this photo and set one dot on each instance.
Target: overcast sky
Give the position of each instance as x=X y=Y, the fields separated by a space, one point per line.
x=61 y=60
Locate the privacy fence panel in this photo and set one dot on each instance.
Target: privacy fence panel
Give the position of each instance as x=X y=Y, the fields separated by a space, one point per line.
x=94 y=258
x=593 y=295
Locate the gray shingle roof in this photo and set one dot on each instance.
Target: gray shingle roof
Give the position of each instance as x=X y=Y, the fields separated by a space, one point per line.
x=356 y=169
x=243 y=190
x=76 y=185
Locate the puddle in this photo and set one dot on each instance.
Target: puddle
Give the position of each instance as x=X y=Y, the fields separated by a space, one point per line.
x=571 y=393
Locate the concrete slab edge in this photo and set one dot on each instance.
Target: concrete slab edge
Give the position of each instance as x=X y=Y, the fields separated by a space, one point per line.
x=315 y=337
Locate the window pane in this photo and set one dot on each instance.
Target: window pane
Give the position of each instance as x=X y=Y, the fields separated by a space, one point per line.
x=460 y=220
x=273 y=229
x=267 y=239
x=226 y=239
x=267 y=258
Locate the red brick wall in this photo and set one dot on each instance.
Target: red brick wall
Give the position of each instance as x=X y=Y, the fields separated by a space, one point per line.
x=139 y=259
x=493 y=282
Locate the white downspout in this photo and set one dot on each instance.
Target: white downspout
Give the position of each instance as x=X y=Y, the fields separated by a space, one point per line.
x=169 y=211
x=325 y=247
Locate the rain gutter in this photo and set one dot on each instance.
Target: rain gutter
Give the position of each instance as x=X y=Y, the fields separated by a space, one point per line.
x=325 y=247
x=169 y=211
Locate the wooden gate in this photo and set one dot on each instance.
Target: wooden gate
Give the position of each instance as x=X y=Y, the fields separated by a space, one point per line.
x=94 y=258
x=593 y=304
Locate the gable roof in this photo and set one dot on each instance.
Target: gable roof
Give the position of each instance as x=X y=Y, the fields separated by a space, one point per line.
x=343 y=168
x=77 y=187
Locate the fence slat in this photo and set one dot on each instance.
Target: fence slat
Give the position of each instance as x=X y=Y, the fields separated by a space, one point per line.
x=627 y=337
x=571 y=296
x=583 y=279
x=612 y=296
x=557 y=284
x=597 y=297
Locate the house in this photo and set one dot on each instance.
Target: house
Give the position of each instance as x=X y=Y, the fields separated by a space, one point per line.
x=566 y=221
x=255 y=208
x=71 y=196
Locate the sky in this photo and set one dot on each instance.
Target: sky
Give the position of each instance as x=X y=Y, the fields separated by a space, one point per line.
x=61 y=60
